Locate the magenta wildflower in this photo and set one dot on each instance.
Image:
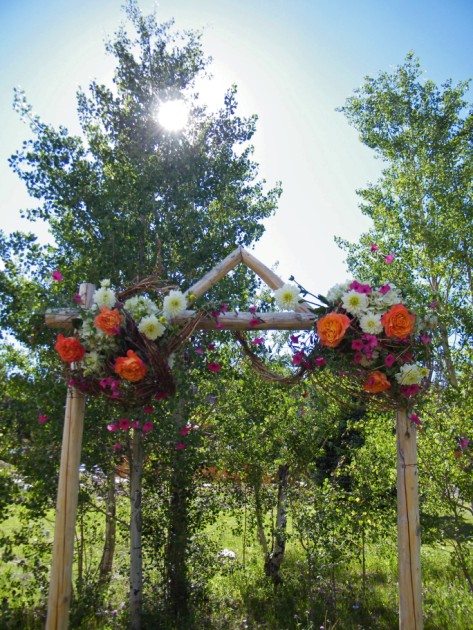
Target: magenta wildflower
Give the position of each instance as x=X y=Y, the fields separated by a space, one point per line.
x=57 y=276
x=219 y=325
x=254 y=321
x=409 y=390
x=115 y=394
x=374 y=247
x=117 y=447
x=298 y=358
x=384 y=289
x=320 y=361
x=211 y=346
x=113 y=427
x=425 y=338
x=389 y=360
x=389 y=258
x=77 y=298
x=365 y=288
x=42 y=418
x=136 y=424
x=357 y=357
x=357 y=344
x=124 y=424
x=370 y=340
x=162 y=395
x=180 y=446
x=214 y=367
x=355 y=286
x=185 y=430
x=148 y=409
x=463 y=443
x=415 y=419
x=199 y=351
x=223 y=307
x=252 y=310
x=433 y=305
x=258 y=341
x=147 y=426
x=295 y=338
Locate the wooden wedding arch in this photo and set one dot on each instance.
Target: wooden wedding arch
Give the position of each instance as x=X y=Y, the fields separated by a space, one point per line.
x=409 y=570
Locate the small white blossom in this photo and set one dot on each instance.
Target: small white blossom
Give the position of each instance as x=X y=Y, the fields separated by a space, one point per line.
x=174 y=304
x=371 y=323
x=355 y=303
x=409 y=374
x=335 y=294
x=105 y=283
x=151 y=327
x=92 y=362
x=139 y=307
x=287 y=297
x=104 y=297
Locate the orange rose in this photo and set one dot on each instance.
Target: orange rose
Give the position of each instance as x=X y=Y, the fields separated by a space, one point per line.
x=398 y=322
x=131 y=367
x=109 y=320
x=376 y=382
x=332 y=328
x=69 y=348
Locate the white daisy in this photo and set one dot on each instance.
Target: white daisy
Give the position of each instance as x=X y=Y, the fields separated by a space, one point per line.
x=174 y=304
x=287 y=297
x=151 y=327
x=409 y=374
x=371 y=323
x=335 y=294
x=355 y=303
x=104 y=297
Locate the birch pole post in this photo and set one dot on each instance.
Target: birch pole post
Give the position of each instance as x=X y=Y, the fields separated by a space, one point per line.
x=60 y=587
x=408 y=525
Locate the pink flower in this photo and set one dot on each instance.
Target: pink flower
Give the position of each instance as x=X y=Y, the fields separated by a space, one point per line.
x=357 y=357
x=199 y=351
x=415 y=419
x=389 y=360
x=115 y=395
x=124 y=424
x=370 y=340
x=320 y=361
x=357 y=344
x=219 y=325
x=215 y=313
x=223 y=307
x=148 y=409
x=77 y=298
x=463 y=443
x=185 y=430
x=252 y=310
x=433 y=305
x=147 y=426
x=180 y=446
x=114 y=385
x=409 y=390
x=113 y=427
x=162 y=395
x=425 y=338
x=104 y=382
x=214 y=367
x=258 y=341
x=211 y=346
x=365 y=288
x=57 y=275
x=117 y=447
x=42 y=418
x=389 y=258
x=355 y=286
x=384 y=289
x=136 y=424
x=298 y=358
x=254 y=321
x=295 y=338
x=374 y=247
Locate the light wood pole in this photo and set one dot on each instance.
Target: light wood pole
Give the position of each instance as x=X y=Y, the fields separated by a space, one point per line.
x=60 y=588
x=408 y=525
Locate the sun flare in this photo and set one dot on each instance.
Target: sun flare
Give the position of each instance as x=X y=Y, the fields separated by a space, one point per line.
x=173 y=115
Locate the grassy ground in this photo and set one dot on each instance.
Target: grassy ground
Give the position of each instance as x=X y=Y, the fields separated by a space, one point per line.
x=234 y=593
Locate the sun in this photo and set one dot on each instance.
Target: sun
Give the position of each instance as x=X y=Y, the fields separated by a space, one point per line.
x=173 y=115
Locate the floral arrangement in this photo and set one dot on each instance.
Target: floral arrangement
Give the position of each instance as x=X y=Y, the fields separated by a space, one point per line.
x=367 y=336
x=122 y=349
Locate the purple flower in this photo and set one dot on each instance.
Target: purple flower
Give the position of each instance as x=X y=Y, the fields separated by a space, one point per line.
x=320 y=361
x=374 y=247
x=57 y=275
x=425 y=338
x=42 y=418
x=147 y=426
x=389 y=258
x=124 y=424
x=389 y=360
x=357 y=344
x=258 y=341
x=415 y=419
x=384 y=289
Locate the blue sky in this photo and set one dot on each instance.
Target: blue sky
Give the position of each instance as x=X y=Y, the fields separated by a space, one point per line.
x=294 y=61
